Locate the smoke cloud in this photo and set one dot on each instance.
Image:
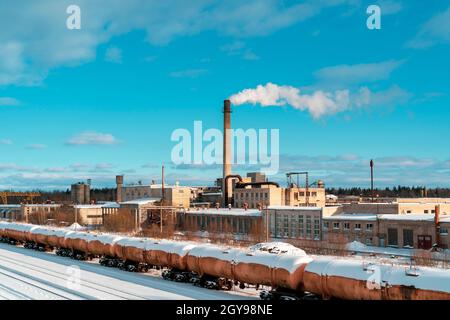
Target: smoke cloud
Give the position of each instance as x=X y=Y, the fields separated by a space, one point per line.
x=318 y=104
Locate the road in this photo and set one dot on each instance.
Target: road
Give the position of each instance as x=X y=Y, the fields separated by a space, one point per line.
x=30 y=275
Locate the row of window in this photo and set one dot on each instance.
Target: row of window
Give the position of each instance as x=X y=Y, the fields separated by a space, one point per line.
x=253 y=195
x=347 y=226
x=299 y=226
x=302 y=194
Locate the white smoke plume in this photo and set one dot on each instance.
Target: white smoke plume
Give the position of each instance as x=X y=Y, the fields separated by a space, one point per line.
x=318 y=104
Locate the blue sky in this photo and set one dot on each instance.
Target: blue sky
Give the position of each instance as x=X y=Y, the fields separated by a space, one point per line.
x=104 y=100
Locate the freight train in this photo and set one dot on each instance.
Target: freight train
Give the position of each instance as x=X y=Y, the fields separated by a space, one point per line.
x=289 y=271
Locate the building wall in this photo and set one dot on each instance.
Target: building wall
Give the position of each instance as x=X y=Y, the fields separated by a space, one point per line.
x=212 y=223
x=174 y=195
x=295 y=223
x=297 y=197
x=417 y=228
x=89 y=215
x=337 y=230
x=254 y=197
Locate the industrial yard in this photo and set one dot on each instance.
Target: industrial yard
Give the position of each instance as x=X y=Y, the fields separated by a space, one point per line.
x=264 y=151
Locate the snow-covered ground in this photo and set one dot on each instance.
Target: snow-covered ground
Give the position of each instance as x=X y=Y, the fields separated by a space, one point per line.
x=28 y=274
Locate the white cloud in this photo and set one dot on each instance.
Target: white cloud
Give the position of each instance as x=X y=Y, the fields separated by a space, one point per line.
x=239 y=48
x=356 y=73
x=318 y=103
x=34 y=37
x=8 y=101
x=92 y=138
x=434 y=31
x=6 y=141
x=188 y=73
x=113 y=54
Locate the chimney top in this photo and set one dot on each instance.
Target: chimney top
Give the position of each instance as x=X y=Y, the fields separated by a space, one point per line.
x=227 y=106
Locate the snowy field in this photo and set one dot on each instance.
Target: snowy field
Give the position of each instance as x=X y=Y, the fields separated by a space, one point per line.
x=27 y=274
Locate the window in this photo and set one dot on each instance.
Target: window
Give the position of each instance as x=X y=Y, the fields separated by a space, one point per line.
x=346 y=225
x=313 y=194
x=316 y=229
x=425 y=211
x=335 y=225
x=285 y=225
x=326 y=225
x=301 y=233
x=392 y=237
x=444 y=231
x=357 y=226
x=433 y=211
x=369 y=241
x=369 y=227
x=293 y=227
x=408 y=211
x=408 y=238
x=308 y=227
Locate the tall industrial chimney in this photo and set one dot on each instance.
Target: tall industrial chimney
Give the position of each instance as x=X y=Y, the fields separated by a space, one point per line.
x=371 y=179
x=437 y=225
x=226 y=150
x=119 y=183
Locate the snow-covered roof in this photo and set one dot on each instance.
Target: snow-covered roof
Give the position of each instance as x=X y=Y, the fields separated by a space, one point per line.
x=353 y=216
x=88 y=206
x=226 y=212
x=9 y=206
x=142 y=201
x=407 y=217
x=294 y=208
x=44 y=205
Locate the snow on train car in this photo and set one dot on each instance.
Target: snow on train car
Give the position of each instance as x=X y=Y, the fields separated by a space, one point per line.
x=166 y=253
x=355 y=280
x=257 y=265
x=103 y=244
x=130 y=248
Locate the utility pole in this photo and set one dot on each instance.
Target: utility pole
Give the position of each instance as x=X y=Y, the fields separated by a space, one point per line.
x=371 y=179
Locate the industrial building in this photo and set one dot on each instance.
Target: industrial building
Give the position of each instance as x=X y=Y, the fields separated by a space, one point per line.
x=398 y=206
x=80 y=193
x=272 y=195
x=420 y=231
x=175 y=196
x=10 y=211
x=222 y=220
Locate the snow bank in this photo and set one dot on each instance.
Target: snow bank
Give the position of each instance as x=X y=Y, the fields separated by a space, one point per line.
x=356 y=246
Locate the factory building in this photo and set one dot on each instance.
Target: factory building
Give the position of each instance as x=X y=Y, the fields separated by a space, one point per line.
x=271 y=195
x=10 y=211
x=223 y=220
x=89 y=214
x=175 y=196
x=399 y=206
x=80 y=193
x=140 y=208
x=292 y=222
x=419 y=231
